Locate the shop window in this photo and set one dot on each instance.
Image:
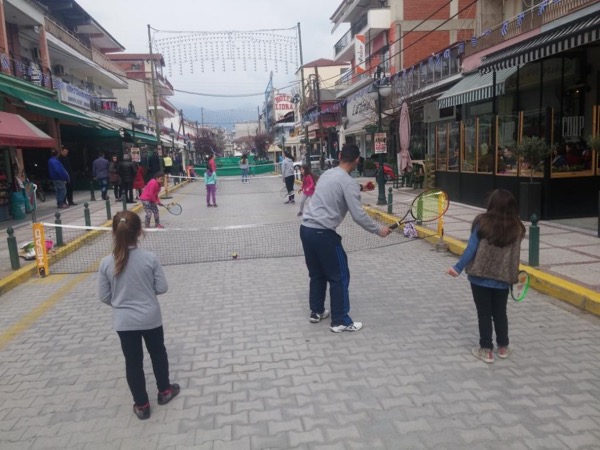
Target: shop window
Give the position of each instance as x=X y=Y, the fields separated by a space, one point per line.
x=470 y=144
x=485 y=150
x=454 y=146
x=506 y=157
x=442 y=147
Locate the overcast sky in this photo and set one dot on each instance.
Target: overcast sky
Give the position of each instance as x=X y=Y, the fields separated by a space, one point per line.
x=127 y=20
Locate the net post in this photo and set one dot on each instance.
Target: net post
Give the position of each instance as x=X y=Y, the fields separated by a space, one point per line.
x=390 y=200
x=92 y=192
x=86 y=215
x=419 y=217
x=59 y=231
x=108 y=213
x=13 y=251
x=124 y=201
x=166 y=185
x=534 y=242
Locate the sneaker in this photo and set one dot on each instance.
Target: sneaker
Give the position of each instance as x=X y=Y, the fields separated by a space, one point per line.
x=160 y=226
x=142 y=412
x=299 y=214
x=168 y=395
x=209 y=205
x=64 y=206
x=484 y=354
x=354 y=326
x=316 y=317
x=215 y=205
x=503 y=352
x=72 y=204
x=292 y=201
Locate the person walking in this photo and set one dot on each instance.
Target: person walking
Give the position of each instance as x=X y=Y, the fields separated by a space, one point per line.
x=210 y=180
x=287 y=173
x=129 y=280
x=151 y=201
x=326 y=259
x=244 y=167
x=100 y=173
x=491 y=261
x=59 y=176
x=114 y=178
x=138 y=181
x=309 y=183
x=66 y=162
x=127 y=174
x=153 y=165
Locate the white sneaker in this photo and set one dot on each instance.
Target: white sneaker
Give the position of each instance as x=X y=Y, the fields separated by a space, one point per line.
x=354 y=326
x=316 y=318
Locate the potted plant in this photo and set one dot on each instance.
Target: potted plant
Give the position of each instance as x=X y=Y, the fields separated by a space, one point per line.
x=531 y=152
x=370 y=168
x=594 y=142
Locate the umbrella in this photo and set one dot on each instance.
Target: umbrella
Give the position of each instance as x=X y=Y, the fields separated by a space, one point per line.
x=404 y=131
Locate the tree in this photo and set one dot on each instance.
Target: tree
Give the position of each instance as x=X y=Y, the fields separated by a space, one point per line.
x=532 y=151
x=261 y=144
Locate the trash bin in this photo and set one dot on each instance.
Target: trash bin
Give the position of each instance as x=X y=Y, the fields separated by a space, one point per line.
x=17 y=205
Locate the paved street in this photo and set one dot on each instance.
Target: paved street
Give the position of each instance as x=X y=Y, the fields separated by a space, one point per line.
x=255 y=374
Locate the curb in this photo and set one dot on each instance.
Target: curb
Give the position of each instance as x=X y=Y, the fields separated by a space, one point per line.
x=552 y=285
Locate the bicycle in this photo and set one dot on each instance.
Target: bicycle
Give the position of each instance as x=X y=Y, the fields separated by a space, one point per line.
x=39 y=191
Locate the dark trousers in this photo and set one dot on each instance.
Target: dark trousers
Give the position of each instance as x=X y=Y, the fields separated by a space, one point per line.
x=327 y=262
x=289 y=184
x=491 y=306
x=69 y=197
x=117 y=190
x=131 y=343
x=127 y=190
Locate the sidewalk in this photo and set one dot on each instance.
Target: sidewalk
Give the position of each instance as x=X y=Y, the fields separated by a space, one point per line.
x=569 y=249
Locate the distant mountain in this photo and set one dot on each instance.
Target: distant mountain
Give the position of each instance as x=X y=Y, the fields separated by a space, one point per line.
x=225 y=118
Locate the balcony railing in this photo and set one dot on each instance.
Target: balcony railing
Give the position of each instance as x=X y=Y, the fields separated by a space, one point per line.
x=344 y=42
x=528 y=20
x=99 y=58
x=65 y=36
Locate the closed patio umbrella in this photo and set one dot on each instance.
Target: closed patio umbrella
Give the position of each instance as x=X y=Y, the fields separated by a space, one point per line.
x=404 y=131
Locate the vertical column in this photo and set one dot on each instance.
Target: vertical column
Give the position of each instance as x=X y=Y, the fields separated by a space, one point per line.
x=44 y=57
x=4 y=55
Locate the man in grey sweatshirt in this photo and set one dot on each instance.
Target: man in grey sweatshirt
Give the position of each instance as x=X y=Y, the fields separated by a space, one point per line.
x=327 y=262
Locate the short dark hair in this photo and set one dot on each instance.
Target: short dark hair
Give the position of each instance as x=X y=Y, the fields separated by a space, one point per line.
x=350 y=152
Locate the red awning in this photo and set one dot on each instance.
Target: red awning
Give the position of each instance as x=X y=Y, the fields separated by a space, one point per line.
x=15 y=131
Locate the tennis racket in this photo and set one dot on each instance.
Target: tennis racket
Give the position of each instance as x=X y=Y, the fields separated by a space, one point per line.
x=428 y=206
x=174 y=208
x=519 y=290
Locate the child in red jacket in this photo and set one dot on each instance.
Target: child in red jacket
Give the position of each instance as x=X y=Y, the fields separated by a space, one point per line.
x=138 y=181
x=151 y=201
x=309 y=182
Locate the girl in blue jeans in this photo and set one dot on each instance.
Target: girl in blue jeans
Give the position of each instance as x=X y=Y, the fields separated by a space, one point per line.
x=491 y=260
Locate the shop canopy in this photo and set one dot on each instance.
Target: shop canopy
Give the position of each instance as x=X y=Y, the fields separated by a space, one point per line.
x=560 y=39
x=16 y=131
x=46 y=105
x=140 y=137
x=475 y=87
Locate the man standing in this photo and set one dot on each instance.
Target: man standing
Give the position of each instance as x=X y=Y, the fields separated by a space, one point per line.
x=59 y=177
x=127 y=171
x=64 y=160
x=336 y=194
x=100 y=173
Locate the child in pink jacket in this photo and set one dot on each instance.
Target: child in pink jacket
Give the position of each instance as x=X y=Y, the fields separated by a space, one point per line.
x=309 y=183
x=151 y=201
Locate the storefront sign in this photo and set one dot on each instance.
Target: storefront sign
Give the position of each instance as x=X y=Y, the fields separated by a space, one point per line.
x=380 y=143
x=572 y=127
x=135 y=154
x=74 y=96
x=283 y=105
x=39 y=241
x=359 y=53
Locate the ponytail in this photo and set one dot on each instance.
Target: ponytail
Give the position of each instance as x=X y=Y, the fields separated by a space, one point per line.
x=126 y=227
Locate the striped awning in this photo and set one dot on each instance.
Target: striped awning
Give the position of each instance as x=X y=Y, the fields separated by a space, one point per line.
x=574 y=34
x=474 y=88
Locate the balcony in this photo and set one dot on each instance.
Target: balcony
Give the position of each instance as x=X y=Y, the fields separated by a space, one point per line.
x=529 y=19
x=374 y=21
x=343 y=50
x=99 y=58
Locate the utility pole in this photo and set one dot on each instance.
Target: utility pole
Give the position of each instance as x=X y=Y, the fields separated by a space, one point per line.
x=303 y=92
x=318 y=89
x=258 y=111
x=154 y=94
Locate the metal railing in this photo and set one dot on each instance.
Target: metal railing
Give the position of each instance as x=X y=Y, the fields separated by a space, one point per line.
x=344 y=42
x=99 y=58
x=65 y=36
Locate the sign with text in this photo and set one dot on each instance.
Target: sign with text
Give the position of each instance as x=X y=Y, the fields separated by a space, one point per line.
x=380 y=143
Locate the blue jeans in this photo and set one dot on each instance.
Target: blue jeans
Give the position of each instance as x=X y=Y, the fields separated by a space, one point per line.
x=327 y=262
x=103 y=187
x=61 y=191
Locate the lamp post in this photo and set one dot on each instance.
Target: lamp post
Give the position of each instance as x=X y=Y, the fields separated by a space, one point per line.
x=131 y=118
x=379 y=89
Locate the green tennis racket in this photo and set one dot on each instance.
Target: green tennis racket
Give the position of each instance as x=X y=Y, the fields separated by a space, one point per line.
x=428 y=206
x=519 y=290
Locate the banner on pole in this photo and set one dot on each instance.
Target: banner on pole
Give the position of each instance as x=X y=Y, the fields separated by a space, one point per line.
x=380 y=143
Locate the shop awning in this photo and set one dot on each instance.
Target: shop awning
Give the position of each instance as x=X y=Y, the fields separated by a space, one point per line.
x=71 y=131
x=574 y=34
x=474 y=88
x=142 y=138
x=16 y=131
x=47 y=106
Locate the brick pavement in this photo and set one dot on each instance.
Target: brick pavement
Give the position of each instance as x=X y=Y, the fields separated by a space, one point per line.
x=255 y=374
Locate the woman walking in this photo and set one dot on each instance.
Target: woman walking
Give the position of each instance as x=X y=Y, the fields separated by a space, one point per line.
x=287 y=173
x=491 y=260
x=129 y=281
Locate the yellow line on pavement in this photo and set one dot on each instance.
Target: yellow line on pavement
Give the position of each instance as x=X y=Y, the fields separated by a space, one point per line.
x=29 y=319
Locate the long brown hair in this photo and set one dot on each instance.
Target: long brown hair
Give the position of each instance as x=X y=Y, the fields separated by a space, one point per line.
x=127 y=228
x=500 y=224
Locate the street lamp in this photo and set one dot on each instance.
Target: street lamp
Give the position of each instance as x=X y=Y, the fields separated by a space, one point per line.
x=132 y=118
x=379 y=89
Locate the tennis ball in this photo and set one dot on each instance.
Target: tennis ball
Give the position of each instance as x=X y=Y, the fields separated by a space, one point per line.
x=234 y=255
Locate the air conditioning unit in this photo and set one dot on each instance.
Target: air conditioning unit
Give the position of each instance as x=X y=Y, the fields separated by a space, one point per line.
x=59 y=69
x=35 y=53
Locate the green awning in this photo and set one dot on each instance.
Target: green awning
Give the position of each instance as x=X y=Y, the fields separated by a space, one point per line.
x=46 y=106
x=71 y=131
x=142 y=138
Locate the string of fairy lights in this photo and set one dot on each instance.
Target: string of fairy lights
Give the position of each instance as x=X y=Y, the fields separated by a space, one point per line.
x=274 y=50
